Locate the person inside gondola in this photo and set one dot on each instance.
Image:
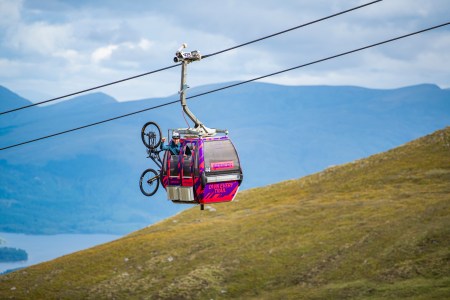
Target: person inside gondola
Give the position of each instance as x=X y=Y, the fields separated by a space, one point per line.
x=174 y=145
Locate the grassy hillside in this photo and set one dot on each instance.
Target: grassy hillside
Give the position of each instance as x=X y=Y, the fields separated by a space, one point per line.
x=377 y=228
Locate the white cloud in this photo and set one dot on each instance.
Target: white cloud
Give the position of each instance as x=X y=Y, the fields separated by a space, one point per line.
x=40 y=38
x=9 y=68
x=123 y=55
x=60 y=46
x=103 y=53
x=9 y=12
x=145 y=44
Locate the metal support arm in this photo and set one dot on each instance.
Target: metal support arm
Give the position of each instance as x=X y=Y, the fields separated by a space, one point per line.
x=185 y=59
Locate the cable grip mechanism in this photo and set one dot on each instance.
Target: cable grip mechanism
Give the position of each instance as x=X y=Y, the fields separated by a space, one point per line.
x=188 y=57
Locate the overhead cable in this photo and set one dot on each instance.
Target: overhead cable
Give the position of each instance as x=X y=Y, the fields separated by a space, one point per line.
x=291 y=29
x=173 y=66
x=232 y=85
x=89 y=89
x=320 y=60
x=90 y=125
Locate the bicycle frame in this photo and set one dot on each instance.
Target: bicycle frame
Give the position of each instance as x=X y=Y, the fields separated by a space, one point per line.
x=154 y=155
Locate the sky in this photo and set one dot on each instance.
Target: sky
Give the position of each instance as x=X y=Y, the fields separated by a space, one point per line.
x=50 y=48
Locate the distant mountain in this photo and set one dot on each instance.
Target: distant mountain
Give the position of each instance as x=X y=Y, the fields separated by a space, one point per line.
x=10 y=100
x=87 y=181
x=376 y=228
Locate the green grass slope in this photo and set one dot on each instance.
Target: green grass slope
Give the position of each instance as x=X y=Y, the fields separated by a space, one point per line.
x=377 y=228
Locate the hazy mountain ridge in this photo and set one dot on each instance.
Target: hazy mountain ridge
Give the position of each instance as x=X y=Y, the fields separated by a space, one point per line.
x=374 y=228
x=10 y=100
x=281 y=132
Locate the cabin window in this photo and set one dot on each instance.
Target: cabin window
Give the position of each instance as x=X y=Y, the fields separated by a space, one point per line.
x=187 y=166
x=188 y=157
x=220 y=156
x=164 y=165
x=174 y=166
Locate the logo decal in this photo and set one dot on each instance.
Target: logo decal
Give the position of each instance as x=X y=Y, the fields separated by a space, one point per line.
x=223 y=165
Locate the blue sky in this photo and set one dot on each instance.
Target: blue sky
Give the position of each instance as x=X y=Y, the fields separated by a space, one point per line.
x=50 y=48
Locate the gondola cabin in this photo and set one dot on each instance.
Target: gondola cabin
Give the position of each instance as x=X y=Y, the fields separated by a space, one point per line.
x=207 y=170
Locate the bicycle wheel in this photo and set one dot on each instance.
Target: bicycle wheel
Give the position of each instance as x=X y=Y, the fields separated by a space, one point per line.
x=151 y=135
x=149 y=182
